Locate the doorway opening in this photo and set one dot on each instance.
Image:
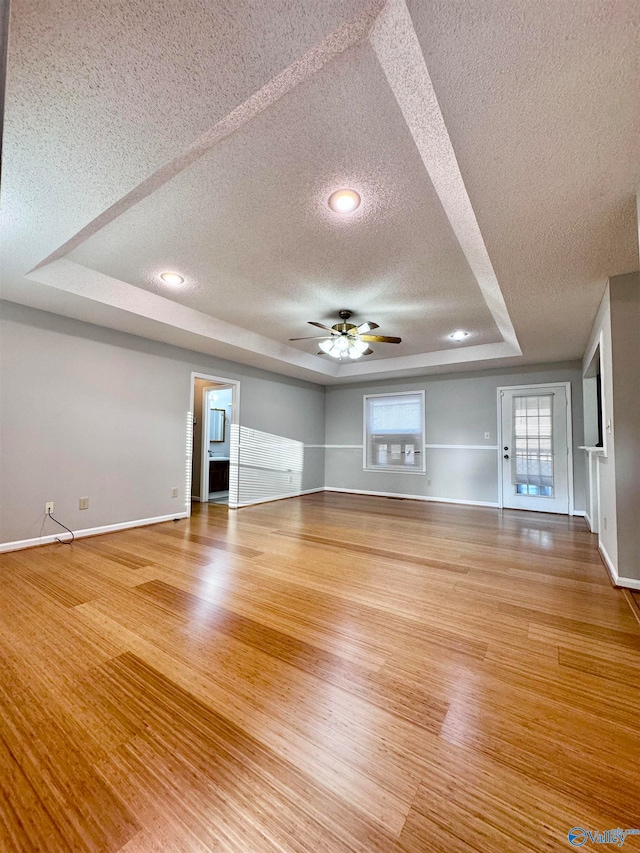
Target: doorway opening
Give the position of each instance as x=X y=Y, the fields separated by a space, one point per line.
x=214 y=445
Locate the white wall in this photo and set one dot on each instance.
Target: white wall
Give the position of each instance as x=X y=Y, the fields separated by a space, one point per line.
x=87 y=411
x=459 y=410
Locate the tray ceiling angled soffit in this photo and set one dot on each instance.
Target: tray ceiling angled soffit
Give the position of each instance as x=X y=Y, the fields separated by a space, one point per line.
x=241 y=213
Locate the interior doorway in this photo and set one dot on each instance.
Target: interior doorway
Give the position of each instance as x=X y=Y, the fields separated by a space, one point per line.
x=216 y=450
x=214 y=445
x=536 y=469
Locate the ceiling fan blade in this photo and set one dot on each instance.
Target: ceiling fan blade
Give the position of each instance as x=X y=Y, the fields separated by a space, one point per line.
x=312 y=338
x=320 y=326
x=380 y=339
x=368 y=352
x=367 y=327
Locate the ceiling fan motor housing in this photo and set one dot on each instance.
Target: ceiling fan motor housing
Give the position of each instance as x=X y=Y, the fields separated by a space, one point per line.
x=344 y=327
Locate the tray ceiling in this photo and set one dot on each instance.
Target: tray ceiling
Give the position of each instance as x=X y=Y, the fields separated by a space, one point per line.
x=493 y=198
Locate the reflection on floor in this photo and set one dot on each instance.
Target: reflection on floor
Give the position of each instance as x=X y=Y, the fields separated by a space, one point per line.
x=219 y=497
x=331 y=673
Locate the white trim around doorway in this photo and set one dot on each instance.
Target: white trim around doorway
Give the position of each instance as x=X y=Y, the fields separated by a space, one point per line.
x=234 y=384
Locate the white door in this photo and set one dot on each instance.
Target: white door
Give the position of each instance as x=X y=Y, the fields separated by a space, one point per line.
x=534 y=451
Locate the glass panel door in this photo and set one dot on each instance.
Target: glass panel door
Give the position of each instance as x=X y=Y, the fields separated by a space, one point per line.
x=532 y=445
x=534 y=452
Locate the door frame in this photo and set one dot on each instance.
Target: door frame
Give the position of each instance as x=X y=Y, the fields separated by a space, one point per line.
x=234 y=450
x=204 y=449
x=567 y=387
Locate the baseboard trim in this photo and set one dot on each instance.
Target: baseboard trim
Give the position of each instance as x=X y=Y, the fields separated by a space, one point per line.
x=278 y=498
x=411 y=497
x=21 y=544
x=616 y=580
x=581 y=514
x=627 y=583
x=608 y=564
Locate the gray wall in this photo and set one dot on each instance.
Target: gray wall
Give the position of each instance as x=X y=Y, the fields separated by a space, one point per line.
x=600 y=340
x=87 y=411
x=459 y=410
x=625 y=337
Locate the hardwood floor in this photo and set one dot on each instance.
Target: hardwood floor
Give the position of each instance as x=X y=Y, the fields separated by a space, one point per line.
x=330 y=673
x=633 y=598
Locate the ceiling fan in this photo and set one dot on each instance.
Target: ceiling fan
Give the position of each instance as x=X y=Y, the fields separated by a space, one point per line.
x=346 y=340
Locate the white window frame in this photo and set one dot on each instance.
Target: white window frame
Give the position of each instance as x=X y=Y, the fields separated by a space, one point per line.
x=394 y=469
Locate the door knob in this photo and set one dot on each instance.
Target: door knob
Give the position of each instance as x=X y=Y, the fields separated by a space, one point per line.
x=506 y=455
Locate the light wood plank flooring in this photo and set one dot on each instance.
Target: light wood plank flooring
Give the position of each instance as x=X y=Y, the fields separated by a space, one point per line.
x=330 y=673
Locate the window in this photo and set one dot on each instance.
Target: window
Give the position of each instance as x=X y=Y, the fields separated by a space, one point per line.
x=532 y=462
x=394 y=432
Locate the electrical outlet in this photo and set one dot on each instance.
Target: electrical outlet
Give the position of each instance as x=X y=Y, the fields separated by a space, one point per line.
x=48 y=508
x=174 y=492
x=487 y=435
x=83 y=503
x=290 y=478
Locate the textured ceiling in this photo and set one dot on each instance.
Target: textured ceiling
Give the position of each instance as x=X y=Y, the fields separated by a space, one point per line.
x=542 y=104
x=494 y=144
x=249 y=227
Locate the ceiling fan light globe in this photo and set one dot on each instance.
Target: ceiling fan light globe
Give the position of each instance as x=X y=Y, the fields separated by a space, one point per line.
x=360 y=346
x=326 y=346
x=354 y=353
x=341 y=344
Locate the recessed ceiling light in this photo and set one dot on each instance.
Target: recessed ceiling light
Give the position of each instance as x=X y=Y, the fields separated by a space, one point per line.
x=344 y=201
x=171 y=277
x=459 y=335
